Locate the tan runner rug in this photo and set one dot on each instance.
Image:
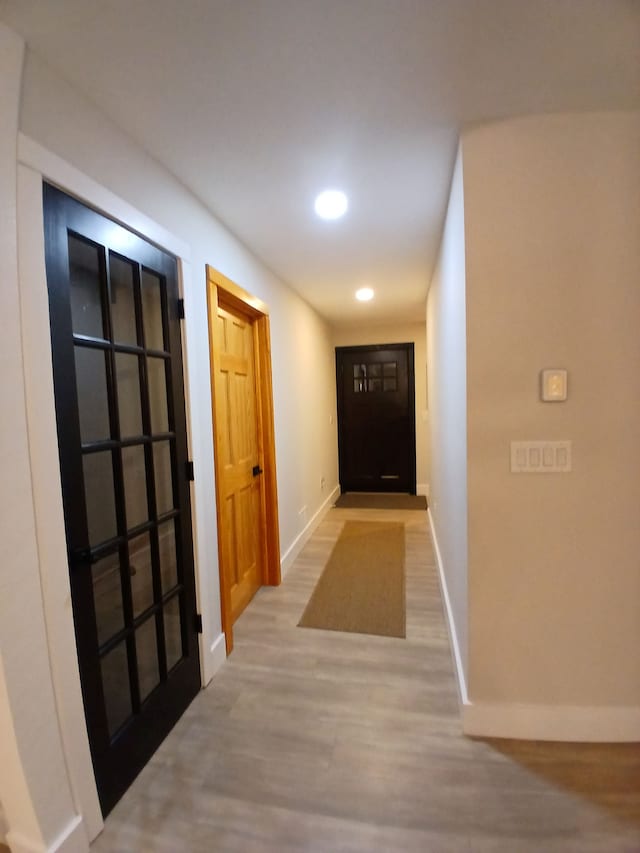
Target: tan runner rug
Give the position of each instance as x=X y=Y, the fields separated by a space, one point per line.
x=361 y=589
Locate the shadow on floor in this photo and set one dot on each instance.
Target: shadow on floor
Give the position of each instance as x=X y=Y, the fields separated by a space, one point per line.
x=607 y=774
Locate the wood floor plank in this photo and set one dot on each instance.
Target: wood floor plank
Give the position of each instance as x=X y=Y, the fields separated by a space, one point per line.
x=311 y=740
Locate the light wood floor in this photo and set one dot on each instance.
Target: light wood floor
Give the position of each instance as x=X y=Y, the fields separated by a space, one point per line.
x=309 y=740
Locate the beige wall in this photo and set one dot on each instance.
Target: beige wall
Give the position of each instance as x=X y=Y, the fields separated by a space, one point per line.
x=446 y=360
x=399 y=333
x=552 y=207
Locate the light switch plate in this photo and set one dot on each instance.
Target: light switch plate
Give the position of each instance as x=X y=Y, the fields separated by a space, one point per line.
x=540 y=457
x=553 y=385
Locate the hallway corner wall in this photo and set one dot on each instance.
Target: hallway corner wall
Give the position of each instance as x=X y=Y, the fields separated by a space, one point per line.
x=552 y=236
x=447 y=392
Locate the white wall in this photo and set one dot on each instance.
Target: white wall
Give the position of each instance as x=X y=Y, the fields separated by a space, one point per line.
x=57 y=117
x=552 y=208
x=107 y=168
x=34 y=786
x=397 y=333
x=446 y=362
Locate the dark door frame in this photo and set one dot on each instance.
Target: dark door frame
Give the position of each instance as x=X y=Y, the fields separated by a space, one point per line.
x=116 y=757
x=363 y=348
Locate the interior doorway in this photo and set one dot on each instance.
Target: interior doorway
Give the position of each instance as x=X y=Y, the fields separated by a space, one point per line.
x=121 y=421
x=244 y=446
x=376 y=418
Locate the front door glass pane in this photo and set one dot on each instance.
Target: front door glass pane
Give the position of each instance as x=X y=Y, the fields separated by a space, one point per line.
x=135 y=485
x=85 y=283
x=93 y=404
x=123 y=314
x=99 y=496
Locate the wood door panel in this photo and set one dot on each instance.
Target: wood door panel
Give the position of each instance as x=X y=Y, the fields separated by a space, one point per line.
x=239 y=342
x=238 y=452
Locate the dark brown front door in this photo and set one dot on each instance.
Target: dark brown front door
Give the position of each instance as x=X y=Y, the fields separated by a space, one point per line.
x=376 y=418
x=117 y=369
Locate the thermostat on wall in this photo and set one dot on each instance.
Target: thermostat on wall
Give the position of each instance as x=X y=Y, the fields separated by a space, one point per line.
x=553 y=385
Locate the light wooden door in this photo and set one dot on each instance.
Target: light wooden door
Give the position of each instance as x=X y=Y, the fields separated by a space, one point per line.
x=238 y=457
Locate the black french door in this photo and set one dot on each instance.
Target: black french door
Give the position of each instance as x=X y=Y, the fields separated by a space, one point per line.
x=117 y=369
x=376 y=418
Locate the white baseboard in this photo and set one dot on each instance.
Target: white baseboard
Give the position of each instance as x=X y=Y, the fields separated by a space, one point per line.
x=422 y=489
x=303 y=537
x=217 y=654
x=451 y=624
x=73 y=839
x=577 y=723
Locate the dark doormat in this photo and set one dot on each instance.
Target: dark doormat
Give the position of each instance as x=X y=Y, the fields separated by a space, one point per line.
x=380 y=500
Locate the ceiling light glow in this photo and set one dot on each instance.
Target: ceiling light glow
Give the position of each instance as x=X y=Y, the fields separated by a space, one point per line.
x=364 y=294
x=331 y=204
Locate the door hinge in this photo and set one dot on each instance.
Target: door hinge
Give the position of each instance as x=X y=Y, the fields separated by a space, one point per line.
x=189 y=470
x=198 y=623
x=180 y=309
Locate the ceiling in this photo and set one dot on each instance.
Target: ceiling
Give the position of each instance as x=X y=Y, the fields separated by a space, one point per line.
x=257 y=105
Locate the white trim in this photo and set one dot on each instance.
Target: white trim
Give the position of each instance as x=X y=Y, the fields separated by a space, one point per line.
x=72 y=839
x=217 y=655
x=594 y=724
x=451 y=625
x=72 y=180
x=47 y=498
x=301 y=540
x=422 y=489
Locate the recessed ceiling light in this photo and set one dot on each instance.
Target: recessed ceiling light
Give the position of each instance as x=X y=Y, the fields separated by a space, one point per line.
x=331 y=204
x=364 y=294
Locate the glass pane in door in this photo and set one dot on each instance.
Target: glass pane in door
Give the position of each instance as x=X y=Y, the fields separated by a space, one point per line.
x=93 y=401
x=147 y=650
x=141 y=574
x=164 y=480
x=128 y=378
x=158 y=395
x=168 y=560
x=173 y=631
x=135 y=485
x=150 y=287
x=123 y=313
x=99 y=497
x=107 y=597
x=85 y=285
x=115 y=684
